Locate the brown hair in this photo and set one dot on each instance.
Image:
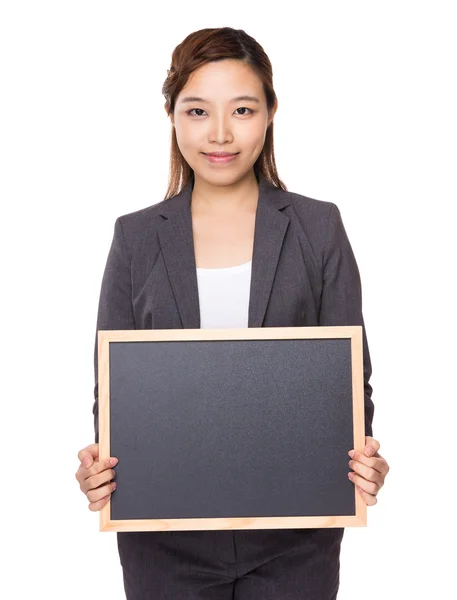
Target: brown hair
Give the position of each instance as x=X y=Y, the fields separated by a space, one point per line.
x=196 y=50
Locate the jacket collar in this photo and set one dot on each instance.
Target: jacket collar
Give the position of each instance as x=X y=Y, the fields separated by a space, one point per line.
x=177 y=245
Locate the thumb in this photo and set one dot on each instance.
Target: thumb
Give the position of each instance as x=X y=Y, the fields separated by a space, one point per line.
x=88 y=454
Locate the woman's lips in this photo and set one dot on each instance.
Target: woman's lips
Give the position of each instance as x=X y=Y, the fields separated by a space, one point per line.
x=220 y=159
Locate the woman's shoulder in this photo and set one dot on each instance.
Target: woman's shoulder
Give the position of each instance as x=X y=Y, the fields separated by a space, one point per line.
x=308 y=204
x=143 y=218
x=312 y=214
x=142 y=215
x=139 y=227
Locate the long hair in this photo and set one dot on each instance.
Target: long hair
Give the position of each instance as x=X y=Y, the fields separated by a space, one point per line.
x=197 y=49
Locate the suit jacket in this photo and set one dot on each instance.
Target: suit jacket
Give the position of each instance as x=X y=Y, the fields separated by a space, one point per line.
x=304 y=272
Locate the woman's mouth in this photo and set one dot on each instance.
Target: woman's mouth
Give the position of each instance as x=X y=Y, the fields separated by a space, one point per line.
x=220 y=158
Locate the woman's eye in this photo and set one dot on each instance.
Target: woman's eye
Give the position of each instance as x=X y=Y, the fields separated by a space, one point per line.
x=244 y=108
x=189 y=112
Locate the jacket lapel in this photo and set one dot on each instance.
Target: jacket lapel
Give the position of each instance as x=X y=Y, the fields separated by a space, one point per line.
x=177 y=245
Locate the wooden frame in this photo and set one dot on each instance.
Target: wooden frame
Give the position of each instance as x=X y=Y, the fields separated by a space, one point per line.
x=354 y=333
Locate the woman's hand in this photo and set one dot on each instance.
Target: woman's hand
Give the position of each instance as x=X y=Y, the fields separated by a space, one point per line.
x=94 y=476
x=370 y=470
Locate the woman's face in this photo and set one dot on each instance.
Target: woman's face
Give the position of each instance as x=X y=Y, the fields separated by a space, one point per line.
x=213 y=114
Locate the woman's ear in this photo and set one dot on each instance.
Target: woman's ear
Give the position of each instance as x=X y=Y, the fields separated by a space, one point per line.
x=272 y=113
x=172 y=118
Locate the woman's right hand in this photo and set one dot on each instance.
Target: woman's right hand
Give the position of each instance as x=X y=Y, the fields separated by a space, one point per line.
x=95 y=476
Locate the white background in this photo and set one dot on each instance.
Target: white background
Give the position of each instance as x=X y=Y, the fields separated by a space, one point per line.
x=366 y=119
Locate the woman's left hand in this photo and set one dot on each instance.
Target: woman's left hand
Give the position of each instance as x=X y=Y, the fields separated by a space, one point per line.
x=370 y=470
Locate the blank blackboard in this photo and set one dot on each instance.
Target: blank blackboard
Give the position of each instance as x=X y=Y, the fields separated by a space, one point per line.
x=231 y=428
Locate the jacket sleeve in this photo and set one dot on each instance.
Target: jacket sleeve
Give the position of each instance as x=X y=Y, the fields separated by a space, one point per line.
x=115 y=309
x=341 y=299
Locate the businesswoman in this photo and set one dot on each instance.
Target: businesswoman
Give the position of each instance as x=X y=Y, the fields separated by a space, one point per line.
x=229 y=246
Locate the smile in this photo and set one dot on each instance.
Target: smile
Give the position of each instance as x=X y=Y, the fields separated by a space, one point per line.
x=220 y=159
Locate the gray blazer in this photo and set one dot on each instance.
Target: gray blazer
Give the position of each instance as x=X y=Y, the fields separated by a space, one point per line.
x=304 y=272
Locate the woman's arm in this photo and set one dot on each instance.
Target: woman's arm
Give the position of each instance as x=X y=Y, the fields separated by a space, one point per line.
x=341 y=299
x=115 y=309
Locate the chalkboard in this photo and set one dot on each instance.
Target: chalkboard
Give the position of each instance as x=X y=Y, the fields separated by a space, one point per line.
x=231 y=428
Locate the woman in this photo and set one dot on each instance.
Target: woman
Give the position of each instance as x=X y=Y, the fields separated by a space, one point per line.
x=193 y=261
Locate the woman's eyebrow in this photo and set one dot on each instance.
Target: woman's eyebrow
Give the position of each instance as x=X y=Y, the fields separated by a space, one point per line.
x=237 y=99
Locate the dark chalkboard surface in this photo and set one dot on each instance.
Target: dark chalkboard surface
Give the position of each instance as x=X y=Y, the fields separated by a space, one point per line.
x=231 y=428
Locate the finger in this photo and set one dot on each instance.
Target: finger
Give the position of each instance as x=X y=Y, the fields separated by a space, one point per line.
x=82 y=474
x=367 y=472
x=371 y=446
x=101 y=492
x=378 y=464
x=370 y=500
x=367 y=486
x=95 y=481
x=88 y=455
x=367 y=451
x=94 y=506
x=381 y=465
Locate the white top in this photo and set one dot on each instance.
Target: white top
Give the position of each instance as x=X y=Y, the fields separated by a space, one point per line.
x=224 y=296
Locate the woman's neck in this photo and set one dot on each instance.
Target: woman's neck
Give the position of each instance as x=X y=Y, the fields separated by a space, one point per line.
x=241 y=196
